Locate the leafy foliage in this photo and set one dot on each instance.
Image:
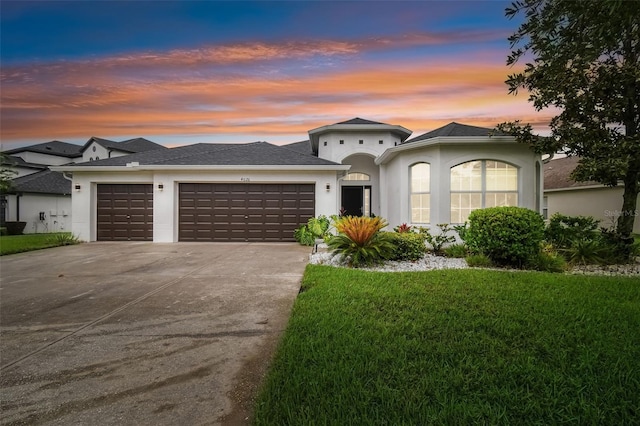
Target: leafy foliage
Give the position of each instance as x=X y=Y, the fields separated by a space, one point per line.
x=585 y=64
x=547 y=261
x=403 y=228
x=456 y=250
x=63 y=239
x=314 y=229
x=360 y=240
x=563 y=231
x=438 y=240
x=407 y=246
x=478 y=261
x=509 y=236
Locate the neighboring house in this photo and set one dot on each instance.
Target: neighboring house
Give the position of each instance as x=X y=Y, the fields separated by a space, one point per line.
x=262 y=192
x=566 y=196
x=41 y=197
x=98 y=149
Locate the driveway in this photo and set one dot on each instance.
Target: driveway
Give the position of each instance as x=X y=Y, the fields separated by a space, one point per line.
x=142 y=333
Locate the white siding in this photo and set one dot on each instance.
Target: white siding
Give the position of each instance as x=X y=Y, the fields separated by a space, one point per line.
x=56 y=209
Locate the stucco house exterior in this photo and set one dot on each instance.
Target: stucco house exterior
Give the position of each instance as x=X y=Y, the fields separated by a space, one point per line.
x=261 y=192
x=42 y=197
x=566 y=196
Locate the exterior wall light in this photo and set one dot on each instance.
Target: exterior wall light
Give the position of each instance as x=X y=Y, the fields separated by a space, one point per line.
x=328 y=187
x=77 y=187
x=160 y=187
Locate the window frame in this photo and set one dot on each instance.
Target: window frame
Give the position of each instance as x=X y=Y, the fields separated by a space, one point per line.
x=483 y=191
x=422 y=192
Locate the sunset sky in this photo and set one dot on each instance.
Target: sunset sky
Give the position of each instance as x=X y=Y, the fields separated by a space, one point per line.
x=205 y=71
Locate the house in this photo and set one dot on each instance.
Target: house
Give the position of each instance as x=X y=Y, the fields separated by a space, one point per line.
x=261 y=192
x=41 y=197
x=564 y=195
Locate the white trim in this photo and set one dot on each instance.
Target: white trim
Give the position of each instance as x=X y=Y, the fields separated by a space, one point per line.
x=151 y=167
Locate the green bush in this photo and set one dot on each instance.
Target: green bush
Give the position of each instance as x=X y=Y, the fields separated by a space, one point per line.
x=63 y=239
x=438 y=240
x=478 y=261
x=314 y=229
x=547 y=262
x=3 y=231
x=456 y=250
x=563 y=231
x=407 y=246
x=509 y=236
x=359 y=239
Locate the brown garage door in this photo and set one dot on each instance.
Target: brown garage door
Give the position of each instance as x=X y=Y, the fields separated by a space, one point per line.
x=125 y=212
x=243 y=212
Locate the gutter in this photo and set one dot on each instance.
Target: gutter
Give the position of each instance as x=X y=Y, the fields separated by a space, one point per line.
x=133 y=167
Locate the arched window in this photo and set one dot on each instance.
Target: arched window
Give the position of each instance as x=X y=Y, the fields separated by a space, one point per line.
x=420 y=193
x=479 y=184
x=357 y=176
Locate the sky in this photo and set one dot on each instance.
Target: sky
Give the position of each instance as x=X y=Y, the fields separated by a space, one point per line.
x=180 y=72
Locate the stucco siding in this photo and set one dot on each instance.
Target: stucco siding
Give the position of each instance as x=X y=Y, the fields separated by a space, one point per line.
x=56 y=209
x=603 y=204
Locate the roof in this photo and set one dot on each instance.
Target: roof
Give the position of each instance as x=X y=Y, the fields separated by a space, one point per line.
x=44 y=182
x=359 y=120
x=252 y=154
x=456 y=129
x=303 y=147
x=130 y=145
x=557 y=174
x=61 y=149
x=13 y=161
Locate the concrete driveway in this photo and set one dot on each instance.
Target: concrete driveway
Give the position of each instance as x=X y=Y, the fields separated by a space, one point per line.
x=142 y=333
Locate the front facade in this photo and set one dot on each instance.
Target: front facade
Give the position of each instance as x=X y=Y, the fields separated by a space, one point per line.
x=262 y=192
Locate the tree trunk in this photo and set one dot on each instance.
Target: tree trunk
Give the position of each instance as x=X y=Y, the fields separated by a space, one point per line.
x=629 y=201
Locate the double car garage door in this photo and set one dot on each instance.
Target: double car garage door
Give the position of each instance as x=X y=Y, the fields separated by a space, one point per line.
x=208 y=211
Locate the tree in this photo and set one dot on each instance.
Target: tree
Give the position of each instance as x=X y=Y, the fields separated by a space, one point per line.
x=5 y=174
x=583 y=57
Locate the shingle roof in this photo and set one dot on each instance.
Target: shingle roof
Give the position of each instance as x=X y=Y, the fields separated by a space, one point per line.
x=252 y=154
x=557 y=174
x=359 y=120
x=303 y=147
x=130 y=145
x=61 y=149
x=455 y=129
x=13 y=161
x=44 y=182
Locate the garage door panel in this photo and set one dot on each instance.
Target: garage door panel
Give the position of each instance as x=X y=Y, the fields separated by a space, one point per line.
x=243 y=212
x=124 y=212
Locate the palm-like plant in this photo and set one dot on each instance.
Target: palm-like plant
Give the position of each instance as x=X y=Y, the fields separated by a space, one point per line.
x=360 y=240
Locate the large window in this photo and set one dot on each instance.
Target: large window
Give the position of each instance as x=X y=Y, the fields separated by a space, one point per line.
x=479 y=184
x=420 y=188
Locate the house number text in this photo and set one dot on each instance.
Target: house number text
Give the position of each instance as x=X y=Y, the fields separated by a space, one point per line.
x=245 y=179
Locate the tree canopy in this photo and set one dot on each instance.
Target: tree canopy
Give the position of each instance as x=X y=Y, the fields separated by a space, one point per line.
x=583 y=57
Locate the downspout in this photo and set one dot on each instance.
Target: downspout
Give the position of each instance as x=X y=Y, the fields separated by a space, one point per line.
x=18 y=195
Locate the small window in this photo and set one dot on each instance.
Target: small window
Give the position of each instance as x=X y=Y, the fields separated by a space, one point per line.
x=325 y=143
x=97 y=158
x=360 y=141
x=381 y=142
x=90 y=158
x=357 y=176
x=341 y=141
x=94 y=148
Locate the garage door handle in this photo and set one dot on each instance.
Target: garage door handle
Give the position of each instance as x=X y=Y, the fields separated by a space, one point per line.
x=128 y=217
x=246 y=217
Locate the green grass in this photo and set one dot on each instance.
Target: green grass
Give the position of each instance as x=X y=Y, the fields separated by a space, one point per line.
x=10 y=244
x=457 y=347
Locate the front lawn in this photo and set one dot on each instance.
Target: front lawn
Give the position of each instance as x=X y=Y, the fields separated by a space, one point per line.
x=10 y=244
x=457 y=347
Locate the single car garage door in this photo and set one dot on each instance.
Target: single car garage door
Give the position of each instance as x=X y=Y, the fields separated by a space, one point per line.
x=243 y=212
x=125 y=212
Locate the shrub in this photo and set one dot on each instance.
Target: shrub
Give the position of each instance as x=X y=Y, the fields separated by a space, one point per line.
x=478 y=261
x=615 y=247
x=3 y=231
x=509 y=236
x=461 y=230
x=401 y=229
x=360 y=240
x=586 y=252
x=440 y=239
x=547 y=261
x=456 y=250
x=63 y=239
x=407 y=246
x=563 y=231
x=315 y=228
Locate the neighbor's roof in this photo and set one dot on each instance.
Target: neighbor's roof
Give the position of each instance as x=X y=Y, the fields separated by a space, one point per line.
x=44 y=182
x=14 y=161
x=456 y=130
x=130 y=145
x=557 y=174
x=61 y=149
x=202 y=154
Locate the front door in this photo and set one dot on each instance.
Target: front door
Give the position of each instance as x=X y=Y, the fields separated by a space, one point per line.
x=356 y=200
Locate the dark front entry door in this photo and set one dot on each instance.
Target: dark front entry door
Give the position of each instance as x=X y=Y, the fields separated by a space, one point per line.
x=352 y=200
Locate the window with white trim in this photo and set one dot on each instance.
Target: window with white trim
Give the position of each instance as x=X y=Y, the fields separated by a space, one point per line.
x=357 y=176
x=479 y=184
x=420 y=175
